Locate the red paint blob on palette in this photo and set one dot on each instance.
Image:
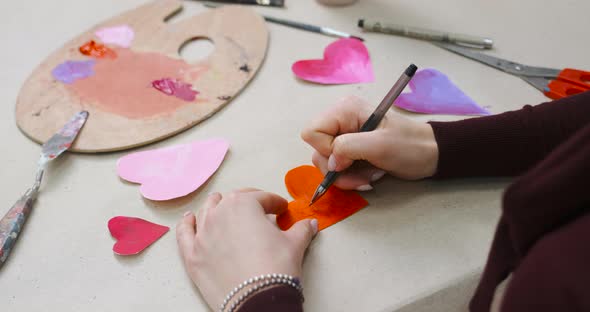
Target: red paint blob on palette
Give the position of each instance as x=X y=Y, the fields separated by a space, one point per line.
x=176 y=88
x=97 y=50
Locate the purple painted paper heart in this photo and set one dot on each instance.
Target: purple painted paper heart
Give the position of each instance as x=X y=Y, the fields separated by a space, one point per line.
x=434 y=93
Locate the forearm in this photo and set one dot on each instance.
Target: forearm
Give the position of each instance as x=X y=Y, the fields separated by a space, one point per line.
x=510 y=143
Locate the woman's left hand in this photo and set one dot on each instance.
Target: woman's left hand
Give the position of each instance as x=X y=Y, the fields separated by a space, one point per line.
x=233 y=239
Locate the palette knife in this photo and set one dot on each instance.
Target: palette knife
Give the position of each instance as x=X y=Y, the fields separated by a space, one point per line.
x=12 y=223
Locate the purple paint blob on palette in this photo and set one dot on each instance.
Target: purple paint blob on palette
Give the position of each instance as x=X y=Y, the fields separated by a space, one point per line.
x=70 y=71
x=176 y=88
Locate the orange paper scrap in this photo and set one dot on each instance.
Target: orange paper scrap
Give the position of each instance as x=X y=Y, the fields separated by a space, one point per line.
x=334 y=206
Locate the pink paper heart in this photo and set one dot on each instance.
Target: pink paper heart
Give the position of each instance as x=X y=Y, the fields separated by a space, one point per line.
x=174 y=171
x=434 y=93
x=345 y=61
x=133 y=234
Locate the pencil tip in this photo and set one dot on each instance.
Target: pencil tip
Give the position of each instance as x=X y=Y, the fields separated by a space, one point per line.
x=357 y=38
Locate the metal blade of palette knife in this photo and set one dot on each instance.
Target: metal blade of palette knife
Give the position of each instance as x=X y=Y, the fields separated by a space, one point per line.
x=63 y=139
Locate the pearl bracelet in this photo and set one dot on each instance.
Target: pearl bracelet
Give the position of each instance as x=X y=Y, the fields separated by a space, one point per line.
x=259 y=282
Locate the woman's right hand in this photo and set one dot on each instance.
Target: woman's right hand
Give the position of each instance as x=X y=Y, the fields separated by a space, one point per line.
x=399 y=146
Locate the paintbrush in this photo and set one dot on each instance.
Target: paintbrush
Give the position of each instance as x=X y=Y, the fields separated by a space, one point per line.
x=274 y=3
x=12 y=223
x=317 y=29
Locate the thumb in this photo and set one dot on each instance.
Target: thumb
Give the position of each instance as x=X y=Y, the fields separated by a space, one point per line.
x=302 y=232
x=350 y=147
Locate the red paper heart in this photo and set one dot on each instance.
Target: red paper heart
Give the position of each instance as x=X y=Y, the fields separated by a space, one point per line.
x=345 y=61
x=133 y=234
x=335 y=206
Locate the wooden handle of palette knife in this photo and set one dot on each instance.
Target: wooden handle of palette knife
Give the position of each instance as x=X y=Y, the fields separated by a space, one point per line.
x=12 y=224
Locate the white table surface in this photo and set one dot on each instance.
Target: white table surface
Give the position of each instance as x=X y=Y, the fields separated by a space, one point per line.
x=413 y=240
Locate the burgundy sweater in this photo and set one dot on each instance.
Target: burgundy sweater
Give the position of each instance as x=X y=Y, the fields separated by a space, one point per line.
x=543 y=236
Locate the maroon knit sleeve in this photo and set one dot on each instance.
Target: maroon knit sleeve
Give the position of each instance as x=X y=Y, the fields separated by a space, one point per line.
x=279 y=298
x=508 y=144
x=543 y=235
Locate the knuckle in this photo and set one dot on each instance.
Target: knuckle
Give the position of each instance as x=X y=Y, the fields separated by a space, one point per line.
x=234 y=195
x=230 y=198
x=352 y=103
x=193 y=259
x=306 y=135
x=198 y=243
x=340 y=145
x=316 y=159
x=350 y=100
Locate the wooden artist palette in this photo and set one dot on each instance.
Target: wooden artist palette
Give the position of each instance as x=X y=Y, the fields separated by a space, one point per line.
x=125 y=109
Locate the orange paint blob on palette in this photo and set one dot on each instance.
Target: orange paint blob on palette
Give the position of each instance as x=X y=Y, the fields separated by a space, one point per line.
x=97 y=50
x=335 y=206
x=124 y=85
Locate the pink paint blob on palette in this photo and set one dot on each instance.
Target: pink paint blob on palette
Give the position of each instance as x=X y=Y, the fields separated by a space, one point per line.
x=120 y=35
x=175 y=88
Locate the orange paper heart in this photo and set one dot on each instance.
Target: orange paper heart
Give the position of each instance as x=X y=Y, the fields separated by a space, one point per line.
x=334 y=206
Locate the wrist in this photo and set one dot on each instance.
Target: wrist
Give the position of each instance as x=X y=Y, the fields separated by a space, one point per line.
x=250 y=287
x=429 y=149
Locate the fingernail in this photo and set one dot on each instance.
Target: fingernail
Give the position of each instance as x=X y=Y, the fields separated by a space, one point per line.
x=314 y=226
x=365 y=187
x=377 y=175
x=187 y=213
x=332 y=163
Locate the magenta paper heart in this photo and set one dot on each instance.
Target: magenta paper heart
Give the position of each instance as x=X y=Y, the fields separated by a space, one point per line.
x=174 y=171
x=434 y=93
x=133 y=234
x=345 y=61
